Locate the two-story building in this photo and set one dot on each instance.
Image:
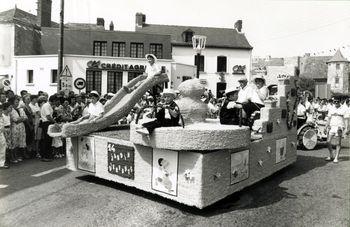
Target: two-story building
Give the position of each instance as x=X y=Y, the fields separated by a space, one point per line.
x=226 y=57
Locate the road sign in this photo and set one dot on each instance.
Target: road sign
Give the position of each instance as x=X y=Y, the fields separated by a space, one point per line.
x=66 y=80
x=79 y=83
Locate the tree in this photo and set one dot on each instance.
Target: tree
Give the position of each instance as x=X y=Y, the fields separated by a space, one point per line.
x=306 y=84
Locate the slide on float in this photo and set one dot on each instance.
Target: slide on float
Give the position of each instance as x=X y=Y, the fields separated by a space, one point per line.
x=119 y=106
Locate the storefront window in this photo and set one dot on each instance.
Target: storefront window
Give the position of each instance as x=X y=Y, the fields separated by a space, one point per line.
x=114 y=81
x=136 y=50
x=156 y=49
x=93 y=81
x=118 y=49
x=100 y=48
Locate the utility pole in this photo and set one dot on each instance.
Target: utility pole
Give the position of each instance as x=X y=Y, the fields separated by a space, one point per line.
x=60 y=49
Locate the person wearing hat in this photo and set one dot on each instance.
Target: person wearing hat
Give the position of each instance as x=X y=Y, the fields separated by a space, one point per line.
x=261 y=89
x=152 y=69
x=95 y=109
x=168 y=114
x=252 y=97
x=229 y=112
x=335 y=126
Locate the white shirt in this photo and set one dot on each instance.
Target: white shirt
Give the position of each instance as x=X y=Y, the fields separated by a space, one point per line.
x=257 y=95
x=35 y=108
x=95 y=109
x=336 y=116
x=152 y=70
x=301 y=110
x=243 y=94
x=46 y=109
x=346 y=110
x=6 y=120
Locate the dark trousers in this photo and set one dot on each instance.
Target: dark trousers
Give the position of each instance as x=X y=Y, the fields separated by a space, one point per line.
x=46 y=141
x=250 y=107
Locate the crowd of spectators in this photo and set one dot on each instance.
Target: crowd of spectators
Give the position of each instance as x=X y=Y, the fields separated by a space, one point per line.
x=24 y=120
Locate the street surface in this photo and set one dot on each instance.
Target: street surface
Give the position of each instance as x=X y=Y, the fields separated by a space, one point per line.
x=312 y=192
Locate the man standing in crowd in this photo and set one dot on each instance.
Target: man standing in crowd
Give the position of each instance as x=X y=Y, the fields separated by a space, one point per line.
x=47 y=119
x=336 y=126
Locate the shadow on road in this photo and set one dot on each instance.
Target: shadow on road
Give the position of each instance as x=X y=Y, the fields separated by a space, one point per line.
x=19 y=176
x=263 y=193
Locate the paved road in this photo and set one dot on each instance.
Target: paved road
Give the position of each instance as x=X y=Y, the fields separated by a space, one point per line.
x=311 y=192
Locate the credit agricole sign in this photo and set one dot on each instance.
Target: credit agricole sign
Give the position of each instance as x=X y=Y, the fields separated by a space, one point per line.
x=114 y=66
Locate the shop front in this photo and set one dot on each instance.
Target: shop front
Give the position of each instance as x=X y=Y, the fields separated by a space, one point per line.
x=101 y=73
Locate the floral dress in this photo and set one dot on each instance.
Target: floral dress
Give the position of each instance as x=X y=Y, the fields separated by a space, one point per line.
x=18 y=129
x=7 y=130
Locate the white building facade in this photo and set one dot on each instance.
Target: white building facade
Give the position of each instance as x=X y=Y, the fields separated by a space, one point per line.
x=101 y=73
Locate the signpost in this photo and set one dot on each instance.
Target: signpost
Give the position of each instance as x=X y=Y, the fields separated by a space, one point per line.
x=79 y=84
x=66 y=80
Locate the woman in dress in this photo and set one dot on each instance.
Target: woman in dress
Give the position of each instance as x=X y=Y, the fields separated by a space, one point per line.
x=18 y=117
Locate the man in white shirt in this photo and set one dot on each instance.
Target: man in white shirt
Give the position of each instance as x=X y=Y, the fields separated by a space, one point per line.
x=249 y=96
x=336 y=126
x=95 y=109
x=47 y=119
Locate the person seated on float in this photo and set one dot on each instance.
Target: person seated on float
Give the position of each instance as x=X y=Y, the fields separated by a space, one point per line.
x=229 y=112
x=167 y=115
x=152 y=69
x=95 y=109
x=252 y=96
x=335 y=126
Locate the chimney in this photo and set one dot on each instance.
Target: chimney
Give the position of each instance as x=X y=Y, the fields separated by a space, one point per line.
x=238 y=25
x=44 y=13
x=111 y=26
x=100 y=22
x=140 y=20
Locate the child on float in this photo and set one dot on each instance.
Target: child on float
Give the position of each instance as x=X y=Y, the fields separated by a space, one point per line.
x=167 y=115
x=336 y=126
x=229 y=112
x=152 y=69
x=93 y=111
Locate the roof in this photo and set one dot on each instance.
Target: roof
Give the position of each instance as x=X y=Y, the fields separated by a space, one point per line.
x=216 y=37
x=314 y=67
x=88 y=26
x=338 y=57
x=15 y=14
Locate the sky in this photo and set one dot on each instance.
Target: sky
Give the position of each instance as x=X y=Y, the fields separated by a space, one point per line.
x=278 y=28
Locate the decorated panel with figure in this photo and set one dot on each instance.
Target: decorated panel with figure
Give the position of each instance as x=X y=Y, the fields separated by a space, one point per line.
x=86 y=153
x=281 y=150
x=121 y=160
x=164 y=171
x=239 y=166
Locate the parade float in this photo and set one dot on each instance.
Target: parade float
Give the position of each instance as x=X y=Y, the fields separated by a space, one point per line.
x=197 y=164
